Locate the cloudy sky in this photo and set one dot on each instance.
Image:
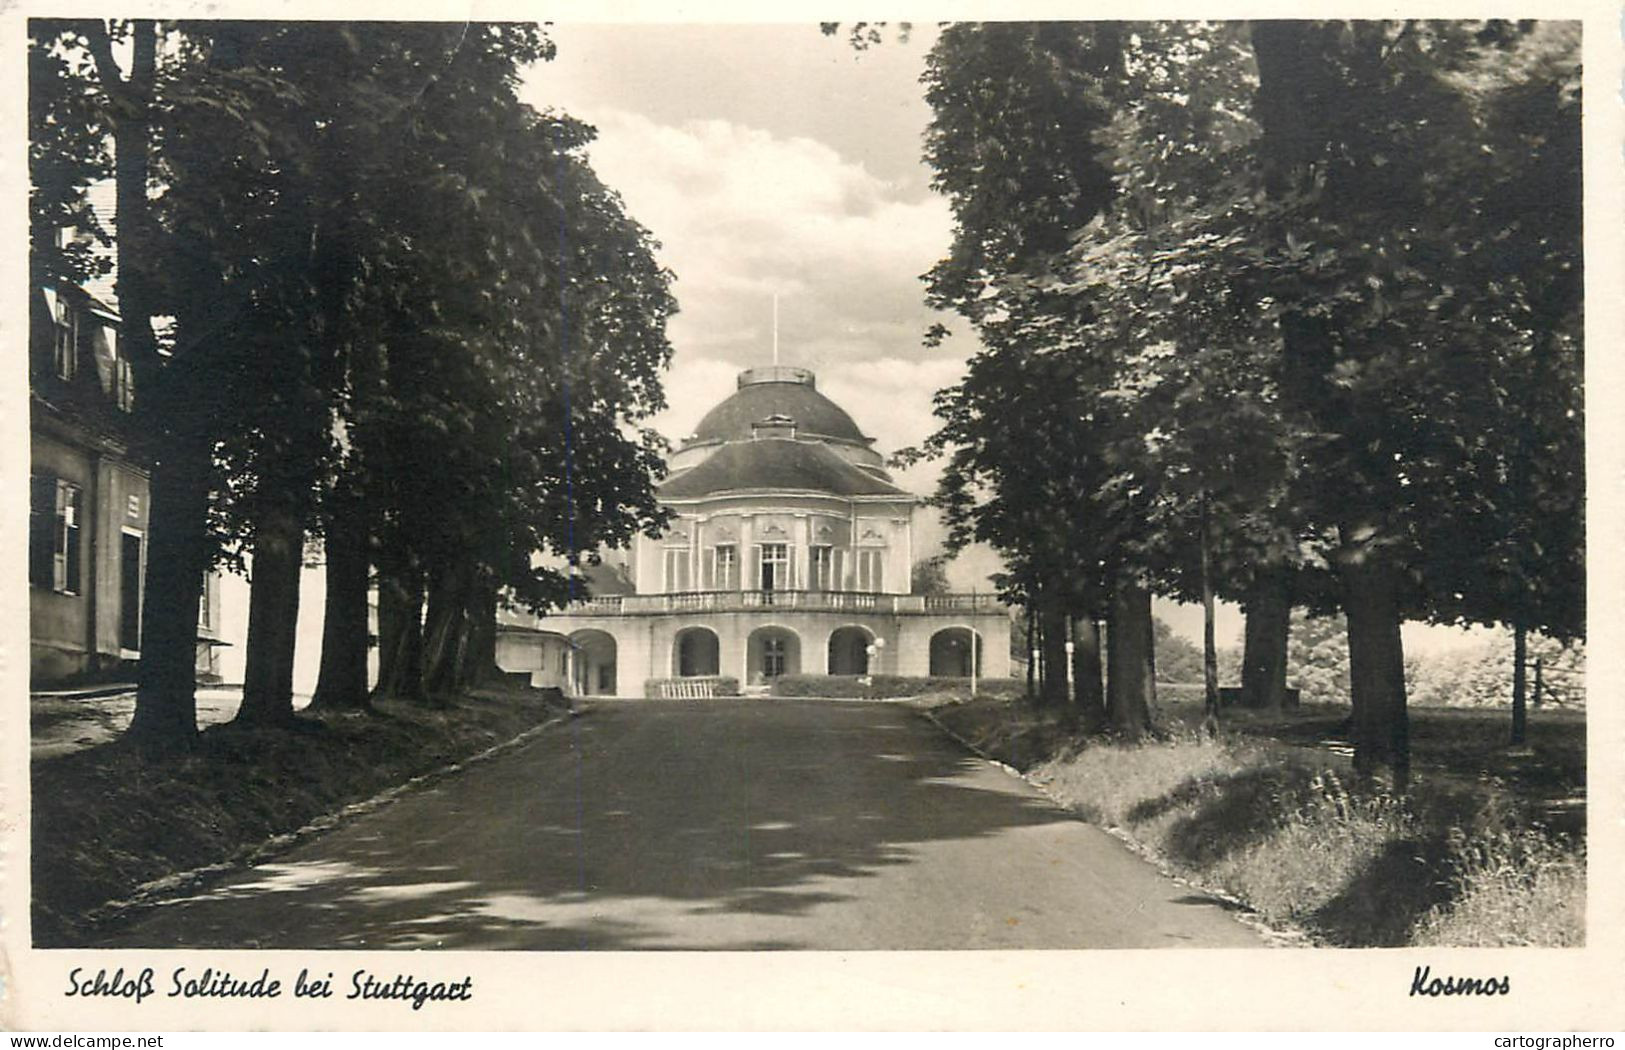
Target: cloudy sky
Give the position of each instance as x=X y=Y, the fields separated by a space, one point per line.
x=773 y=160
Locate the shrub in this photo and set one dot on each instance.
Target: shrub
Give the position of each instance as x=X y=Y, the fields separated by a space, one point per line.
x=883 y=686
x=1512 y=887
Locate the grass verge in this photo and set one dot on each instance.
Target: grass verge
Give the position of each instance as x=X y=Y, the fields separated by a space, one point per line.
x=1458 y=862
x=110 y=819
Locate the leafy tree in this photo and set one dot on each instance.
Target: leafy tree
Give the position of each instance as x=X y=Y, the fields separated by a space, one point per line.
x=1318 y=658
x=84 y=100
x=929 y=576
x=1397 y=327
x=67 y=152
x=403 y=307
x=1177 y=659
x=1013 y=149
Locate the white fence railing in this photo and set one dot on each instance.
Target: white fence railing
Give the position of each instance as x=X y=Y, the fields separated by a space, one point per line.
x=704 y=689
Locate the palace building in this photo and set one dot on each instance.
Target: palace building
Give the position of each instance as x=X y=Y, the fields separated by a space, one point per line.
x=790 y=551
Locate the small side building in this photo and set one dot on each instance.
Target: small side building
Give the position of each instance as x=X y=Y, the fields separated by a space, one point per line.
x=88 y=499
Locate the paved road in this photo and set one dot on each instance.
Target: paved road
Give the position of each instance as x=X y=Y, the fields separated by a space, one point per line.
x=720 y=824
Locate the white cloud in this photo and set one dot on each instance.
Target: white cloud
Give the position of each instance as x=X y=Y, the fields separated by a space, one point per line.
x=743 y=214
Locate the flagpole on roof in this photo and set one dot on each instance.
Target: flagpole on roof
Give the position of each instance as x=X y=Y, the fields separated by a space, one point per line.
x=775 y=328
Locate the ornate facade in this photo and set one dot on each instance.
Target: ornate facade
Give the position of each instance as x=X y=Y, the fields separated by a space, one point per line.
x=789 y=552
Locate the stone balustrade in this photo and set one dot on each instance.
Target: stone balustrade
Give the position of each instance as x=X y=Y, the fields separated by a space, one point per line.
x=811 y=601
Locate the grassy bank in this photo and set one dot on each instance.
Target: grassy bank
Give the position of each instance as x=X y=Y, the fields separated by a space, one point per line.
x=108 y=819
x=1272 y=817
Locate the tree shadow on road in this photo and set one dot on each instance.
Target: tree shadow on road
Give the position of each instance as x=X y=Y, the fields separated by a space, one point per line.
x=574 y=844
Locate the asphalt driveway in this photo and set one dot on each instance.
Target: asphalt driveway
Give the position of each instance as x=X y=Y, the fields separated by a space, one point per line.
x=736 y=824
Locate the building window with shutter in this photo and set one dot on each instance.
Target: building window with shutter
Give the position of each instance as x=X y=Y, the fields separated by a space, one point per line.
x=53 y=534
x=726 y=577
x=825 y=569
x=67 y=340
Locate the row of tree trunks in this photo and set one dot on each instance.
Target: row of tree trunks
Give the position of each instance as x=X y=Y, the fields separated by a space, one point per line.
x=459 y=635
x=400 y=635
x=273 y=615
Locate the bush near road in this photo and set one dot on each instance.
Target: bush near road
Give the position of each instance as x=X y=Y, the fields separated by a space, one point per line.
x=1487 y=849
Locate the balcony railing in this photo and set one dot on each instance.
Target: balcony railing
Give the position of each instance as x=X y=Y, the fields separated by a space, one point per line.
x=813 y=601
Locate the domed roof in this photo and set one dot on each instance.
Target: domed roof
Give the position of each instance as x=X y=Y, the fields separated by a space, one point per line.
x=778 y=391
x=776 y=465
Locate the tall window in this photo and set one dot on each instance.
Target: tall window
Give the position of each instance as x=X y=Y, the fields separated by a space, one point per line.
x=871 y=565
x=677 y=570
x=53 y=535
x=67 y=340
x=825 y=569
x=775 y=567
x=725 y=573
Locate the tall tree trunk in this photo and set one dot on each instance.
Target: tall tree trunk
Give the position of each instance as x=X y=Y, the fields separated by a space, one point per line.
x=1091 y=699
x=1031 y=655
x=1131 y=686
x=273 y=617
x=1264 y=648
x=400 y=635
x=1520 y=684
x=1210 y=651
x=342 y=681
x=178 y=549
x=178 y=555
x=1052 y=623
x=1376 y=666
